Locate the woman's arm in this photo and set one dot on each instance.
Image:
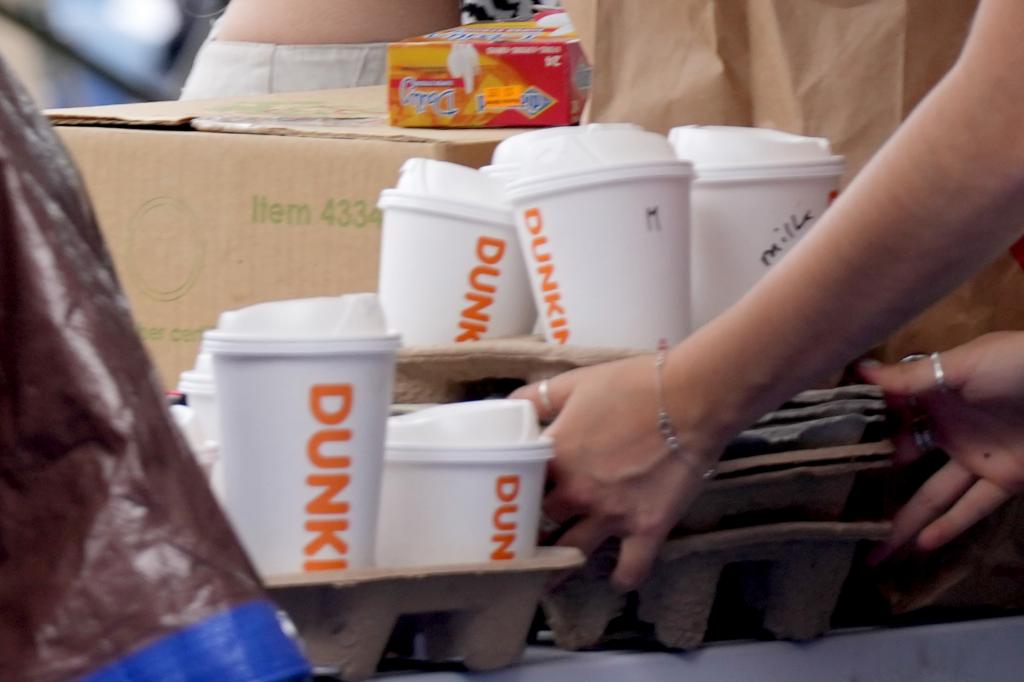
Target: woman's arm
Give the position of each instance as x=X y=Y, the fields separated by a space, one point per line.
x=304 y=22
x=943 y=198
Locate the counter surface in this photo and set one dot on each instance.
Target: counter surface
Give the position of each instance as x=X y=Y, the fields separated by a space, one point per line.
x=983 y=651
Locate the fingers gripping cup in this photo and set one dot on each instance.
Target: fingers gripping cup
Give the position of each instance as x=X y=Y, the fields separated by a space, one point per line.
x=450 y=269
x=757 y=193
x=603 y=217
x=463 y=483
x=304 y=388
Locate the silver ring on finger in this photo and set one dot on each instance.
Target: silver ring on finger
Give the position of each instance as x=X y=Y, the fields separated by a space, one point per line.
x=913 y=357
x=940 y=373
x=544 y=391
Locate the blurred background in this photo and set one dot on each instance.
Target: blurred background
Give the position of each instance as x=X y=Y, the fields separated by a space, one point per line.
x=88 y=52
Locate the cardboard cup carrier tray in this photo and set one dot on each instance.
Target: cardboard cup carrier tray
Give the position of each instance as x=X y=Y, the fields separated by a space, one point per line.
x=480 y=614
x=775 y=533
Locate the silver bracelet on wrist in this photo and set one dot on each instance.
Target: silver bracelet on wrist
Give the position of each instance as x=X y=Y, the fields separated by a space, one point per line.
x=665 y=426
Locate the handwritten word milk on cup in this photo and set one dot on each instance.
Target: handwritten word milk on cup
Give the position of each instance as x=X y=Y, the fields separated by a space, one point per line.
x=784 y=236
x=450 y=268
x=463 y=483
x=757 y=193
x=603 y=214
x=304 y=389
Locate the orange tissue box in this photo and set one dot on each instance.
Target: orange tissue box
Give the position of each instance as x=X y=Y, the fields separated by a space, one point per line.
x=491 y=75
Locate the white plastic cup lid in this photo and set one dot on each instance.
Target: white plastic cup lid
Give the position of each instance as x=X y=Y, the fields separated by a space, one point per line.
x=200 y=379
x=478 y=425
x=503 y=173
x=596 y=146
x=519 y=150
x=449 y=181
x=738 y=147
x=353 y=316
x=513 y=151
x=533 y=187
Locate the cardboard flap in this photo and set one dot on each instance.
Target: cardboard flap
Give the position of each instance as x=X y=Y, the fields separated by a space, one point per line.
x=336 y=105
x=354 y=113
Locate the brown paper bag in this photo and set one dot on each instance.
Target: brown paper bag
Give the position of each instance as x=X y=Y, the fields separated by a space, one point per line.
x=992 y=300
x=846 y=70
x=116 y=562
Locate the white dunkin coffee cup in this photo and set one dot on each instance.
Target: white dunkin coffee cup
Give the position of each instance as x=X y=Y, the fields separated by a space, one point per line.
x=603 y=218
x=450 y=269
x=463 y=483
x=757 y=193
x=304 y=388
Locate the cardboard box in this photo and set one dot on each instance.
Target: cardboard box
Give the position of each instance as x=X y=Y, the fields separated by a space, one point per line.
x=488 y=75
x=200 y=218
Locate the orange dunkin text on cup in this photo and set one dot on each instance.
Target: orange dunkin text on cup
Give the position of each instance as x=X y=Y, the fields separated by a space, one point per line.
x=482 y=289
x=544 y=273
x=327 y=516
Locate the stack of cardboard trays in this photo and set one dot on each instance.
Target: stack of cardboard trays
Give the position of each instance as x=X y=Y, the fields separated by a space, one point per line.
x=770 y=541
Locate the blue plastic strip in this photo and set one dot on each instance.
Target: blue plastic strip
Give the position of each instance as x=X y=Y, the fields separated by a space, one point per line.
x=244 y=644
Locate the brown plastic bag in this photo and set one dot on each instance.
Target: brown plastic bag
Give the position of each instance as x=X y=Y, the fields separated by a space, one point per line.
x=115 y=561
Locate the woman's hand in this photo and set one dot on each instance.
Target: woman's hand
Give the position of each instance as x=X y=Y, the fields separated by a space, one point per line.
x=613 y=472
x=978 y=419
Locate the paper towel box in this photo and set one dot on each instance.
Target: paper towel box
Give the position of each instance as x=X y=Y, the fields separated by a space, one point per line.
x=219 y=204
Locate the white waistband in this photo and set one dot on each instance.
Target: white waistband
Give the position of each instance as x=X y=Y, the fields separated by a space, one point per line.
x=227 y=69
